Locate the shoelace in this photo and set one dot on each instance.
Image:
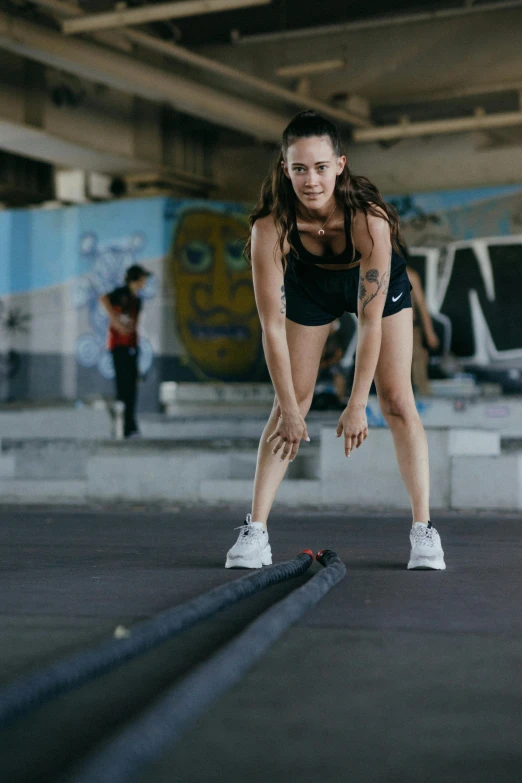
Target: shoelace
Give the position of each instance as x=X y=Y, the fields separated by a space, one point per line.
x=247 y=530
x=424 y=536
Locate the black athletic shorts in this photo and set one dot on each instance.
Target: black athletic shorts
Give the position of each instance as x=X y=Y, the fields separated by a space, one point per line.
x=317 y=296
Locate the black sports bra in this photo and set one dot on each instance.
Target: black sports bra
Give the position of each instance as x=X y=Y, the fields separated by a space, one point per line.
x=346 y=257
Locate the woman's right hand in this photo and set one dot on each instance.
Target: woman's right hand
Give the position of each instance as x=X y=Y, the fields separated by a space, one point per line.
x=290 y=429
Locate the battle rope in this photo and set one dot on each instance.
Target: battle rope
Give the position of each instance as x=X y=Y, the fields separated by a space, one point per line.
x=160 y=725
x=31 y=691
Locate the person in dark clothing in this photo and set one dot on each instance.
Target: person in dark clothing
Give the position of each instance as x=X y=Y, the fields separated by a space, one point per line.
x=123 y=306
x=424 y=336
x=330 y=373
x=329 y=365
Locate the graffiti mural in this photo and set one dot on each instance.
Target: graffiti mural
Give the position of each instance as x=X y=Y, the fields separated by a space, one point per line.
x=421 y=223
x=108 y=262
x=437 y=219
x=203 y=322
x=467 y=248
x=12 y=321
x=473 y=291
x=215 y=309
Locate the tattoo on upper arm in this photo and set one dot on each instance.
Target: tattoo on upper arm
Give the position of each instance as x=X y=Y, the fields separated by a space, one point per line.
x=283 y=301
x=385 y=283
x=372 y=278
x=362 y=288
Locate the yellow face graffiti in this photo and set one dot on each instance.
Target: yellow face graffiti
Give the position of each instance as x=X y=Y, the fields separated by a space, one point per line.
x=214 y=299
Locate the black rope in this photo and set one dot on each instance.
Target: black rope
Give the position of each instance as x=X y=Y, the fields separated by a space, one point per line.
x=31 y=691
x=145 y=738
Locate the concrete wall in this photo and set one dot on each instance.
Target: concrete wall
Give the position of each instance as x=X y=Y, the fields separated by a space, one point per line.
x=96 y=126
x=429 y=164
x=467 y=471
x=55 y=264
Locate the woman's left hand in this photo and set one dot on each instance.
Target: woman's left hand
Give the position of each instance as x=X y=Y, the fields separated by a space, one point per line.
x=354 y=424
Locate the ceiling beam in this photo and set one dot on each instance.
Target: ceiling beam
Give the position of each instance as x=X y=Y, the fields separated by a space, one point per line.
x=114 y=69
x=305 y=69
x=405 y=129
x=116 y=40
x=375 y=23
x=154 y=13
x=181 y=54
x=302 y=101
x=452 y=93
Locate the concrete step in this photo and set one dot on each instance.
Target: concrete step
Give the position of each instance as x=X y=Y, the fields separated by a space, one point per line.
x=487 y=482
x=370 y=476
x=41 y=458
x=68 y=459
x=226 y=423
x=7 y=466
x=172 y=392
x=467 y=470
x=153 y=475
x=201 y=427
x=204 y=420
x=33 y=491
x=86 y=423
x=296 y=492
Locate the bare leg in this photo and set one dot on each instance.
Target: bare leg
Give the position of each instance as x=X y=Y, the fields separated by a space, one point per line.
x=305 y=346
x=419 y=367
x=339 y=384
x=393 y=382
x=269 y=472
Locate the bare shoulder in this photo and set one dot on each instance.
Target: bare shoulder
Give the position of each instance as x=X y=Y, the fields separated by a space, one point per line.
x=370 y=231
x=371 y=224
x=265 y=238
x=264 y=229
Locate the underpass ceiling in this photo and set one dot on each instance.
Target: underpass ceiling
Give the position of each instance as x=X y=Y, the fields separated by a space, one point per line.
x=420 y=60
x=396 y=63
x=286 y=15
x=406 y=68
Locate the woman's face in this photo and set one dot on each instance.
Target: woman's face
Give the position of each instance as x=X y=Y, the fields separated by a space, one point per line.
x=312 y=168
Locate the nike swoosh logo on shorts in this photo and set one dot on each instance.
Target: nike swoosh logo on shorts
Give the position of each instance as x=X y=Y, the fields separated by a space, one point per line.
x=396 y=298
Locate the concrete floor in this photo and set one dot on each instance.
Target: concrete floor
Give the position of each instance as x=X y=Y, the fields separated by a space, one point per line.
x=396 y=676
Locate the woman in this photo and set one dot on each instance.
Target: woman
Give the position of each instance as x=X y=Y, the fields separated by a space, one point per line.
x=323 y=241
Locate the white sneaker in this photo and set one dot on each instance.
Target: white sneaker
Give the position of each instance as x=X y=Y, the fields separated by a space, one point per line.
x=426 y=548
x=251 y=549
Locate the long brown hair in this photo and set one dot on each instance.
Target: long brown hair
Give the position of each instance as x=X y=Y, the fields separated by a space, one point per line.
x=277 y=197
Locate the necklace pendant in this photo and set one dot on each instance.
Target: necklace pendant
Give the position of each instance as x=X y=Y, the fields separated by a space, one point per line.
x=321 y=232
